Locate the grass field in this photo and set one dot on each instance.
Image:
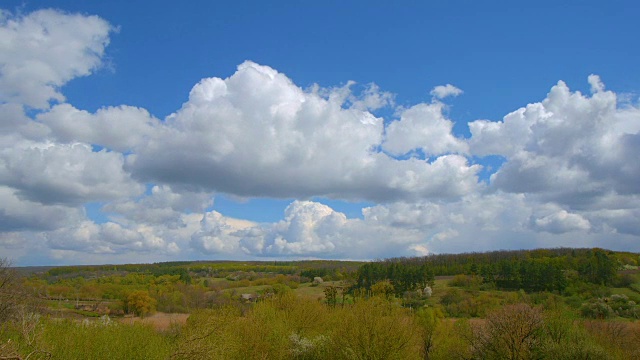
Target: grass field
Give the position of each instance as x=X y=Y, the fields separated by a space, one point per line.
x=308 y=291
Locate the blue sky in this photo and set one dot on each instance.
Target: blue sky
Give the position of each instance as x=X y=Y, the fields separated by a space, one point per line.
x=153 y=131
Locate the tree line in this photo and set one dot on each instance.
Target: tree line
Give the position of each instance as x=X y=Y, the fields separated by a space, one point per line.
x=530 y=270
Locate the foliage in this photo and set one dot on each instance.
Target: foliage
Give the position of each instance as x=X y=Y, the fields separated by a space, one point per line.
x=402 y=276
x=459 y=303
x=427 y=320
x=140 y=303
x=598 y=267
x=511 y=304
x=607 y=307
x=375 y=329
x=531 y=275
x=466 y=281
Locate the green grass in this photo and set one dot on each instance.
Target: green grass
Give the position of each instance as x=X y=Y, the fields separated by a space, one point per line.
x=308 y=291
x=247 y=289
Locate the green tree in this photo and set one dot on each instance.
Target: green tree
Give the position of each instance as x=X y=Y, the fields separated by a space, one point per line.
x=383 y=288
x=598 y=267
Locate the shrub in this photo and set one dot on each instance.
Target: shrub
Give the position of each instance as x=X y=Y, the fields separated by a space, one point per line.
x=615 y=305
x=513 y=332
x=597 y=309
x=624 y=307
x=375 y=329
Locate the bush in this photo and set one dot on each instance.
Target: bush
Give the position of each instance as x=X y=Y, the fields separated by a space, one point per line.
x=464 y=304
x=597 y=309
x=375 y=329
x=513 y=332
x=624 y=307
x=615 y=305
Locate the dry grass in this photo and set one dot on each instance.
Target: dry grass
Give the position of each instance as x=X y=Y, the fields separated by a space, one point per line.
x=159 y=321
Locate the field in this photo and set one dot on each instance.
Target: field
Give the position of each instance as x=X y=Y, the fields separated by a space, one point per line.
x=541 y=304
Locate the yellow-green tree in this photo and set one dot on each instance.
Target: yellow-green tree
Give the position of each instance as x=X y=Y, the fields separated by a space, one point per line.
x=383 y=288
x=141 y=303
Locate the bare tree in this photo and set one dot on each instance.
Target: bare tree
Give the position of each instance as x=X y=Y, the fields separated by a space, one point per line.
x=514 y=333
x=10 y=294
x=15 y=307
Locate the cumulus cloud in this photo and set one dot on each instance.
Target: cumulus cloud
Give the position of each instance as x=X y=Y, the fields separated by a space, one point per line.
x=42 y=50
x=17 y=214
x=312 y=229
x=372 y=98
x=309 y=228
x=423 y=127
x=107 y=238
x=121 y=128
x=443 y=91
x=52 y=173
x=559 y=221
x=219 y=234
x=568 y=178
x=163 y=205
x=569 y=148
x=620 y=220
x=258 y=134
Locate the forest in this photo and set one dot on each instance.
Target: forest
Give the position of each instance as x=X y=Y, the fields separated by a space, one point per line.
x=529 y=304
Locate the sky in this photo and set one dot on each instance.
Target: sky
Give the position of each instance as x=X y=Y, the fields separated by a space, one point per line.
x=135 y=131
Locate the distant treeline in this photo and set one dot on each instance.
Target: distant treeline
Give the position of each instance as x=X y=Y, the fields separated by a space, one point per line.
x=530 y=270
x=330 y=269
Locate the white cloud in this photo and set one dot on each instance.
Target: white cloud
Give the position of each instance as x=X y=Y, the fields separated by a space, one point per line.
x=121 y=128
x=52 y=173
x=163 y=205
x=443 y=91
x=309 y=228
x=423 y=127
x=596 y=84
x=312 y=229
x=41 y=51
x=114 y=238
x=218 y=234
x=569 y=148
x=17 y=214
x=258 y=134
x=372 y=99
x=560 y=222
x=569 y=176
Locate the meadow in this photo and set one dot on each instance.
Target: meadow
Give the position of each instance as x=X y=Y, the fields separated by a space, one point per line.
x=539 y=304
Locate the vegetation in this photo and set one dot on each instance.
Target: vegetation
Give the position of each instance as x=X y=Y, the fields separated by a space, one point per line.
x=540 y=304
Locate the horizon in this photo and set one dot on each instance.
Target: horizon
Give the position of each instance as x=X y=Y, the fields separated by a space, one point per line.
x=271 y=132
